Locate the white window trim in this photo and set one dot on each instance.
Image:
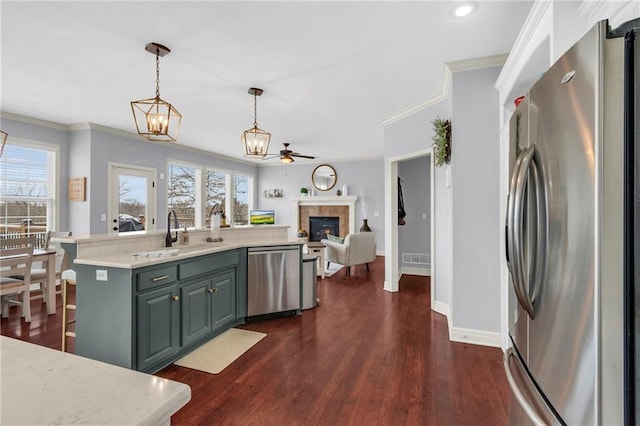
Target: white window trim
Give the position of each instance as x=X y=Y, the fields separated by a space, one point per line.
x=200 y=190
x=54 y=222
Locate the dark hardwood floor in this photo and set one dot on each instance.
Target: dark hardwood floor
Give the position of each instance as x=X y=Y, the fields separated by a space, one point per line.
x=363 y=357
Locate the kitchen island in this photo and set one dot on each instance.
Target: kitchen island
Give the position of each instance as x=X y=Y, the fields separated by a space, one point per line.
x=45 y=386
x=143 y=306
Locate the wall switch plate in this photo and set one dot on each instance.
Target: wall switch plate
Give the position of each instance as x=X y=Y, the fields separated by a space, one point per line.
x=424 y=216
x=376 y=214
x=101 y=275
x=103 y=217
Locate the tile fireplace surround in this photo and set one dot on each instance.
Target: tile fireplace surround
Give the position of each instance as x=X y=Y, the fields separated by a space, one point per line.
x=324 y=205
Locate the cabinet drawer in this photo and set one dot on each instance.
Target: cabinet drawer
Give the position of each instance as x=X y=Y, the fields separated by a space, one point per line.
x=207 y=264
x=156 y=277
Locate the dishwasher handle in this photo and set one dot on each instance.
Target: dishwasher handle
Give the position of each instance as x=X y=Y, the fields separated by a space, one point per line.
x=267 y=250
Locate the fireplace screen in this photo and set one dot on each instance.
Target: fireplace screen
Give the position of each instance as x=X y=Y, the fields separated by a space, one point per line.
x=320 y=226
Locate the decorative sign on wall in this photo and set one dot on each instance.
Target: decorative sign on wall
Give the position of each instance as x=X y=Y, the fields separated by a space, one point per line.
x=77 y=189
x=273 y=193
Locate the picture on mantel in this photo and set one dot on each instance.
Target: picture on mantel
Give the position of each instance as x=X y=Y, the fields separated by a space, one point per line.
x=401 y=213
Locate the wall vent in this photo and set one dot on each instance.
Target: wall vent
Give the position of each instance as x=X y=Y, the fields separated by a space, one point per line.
x=416 y=259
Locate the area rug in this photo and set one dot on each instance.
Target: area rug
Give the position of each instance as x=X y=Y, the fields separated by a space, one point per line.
x=217 y=354
x=333 y=268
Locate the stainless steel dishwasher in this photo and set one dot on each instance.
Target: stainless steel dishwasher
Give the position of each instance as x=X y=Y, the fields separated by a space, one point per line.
x=274 y=279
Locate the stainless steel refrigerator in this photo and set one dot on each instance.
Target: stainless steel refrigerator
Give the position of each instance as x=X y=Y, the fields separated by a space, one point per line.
x=571 y=240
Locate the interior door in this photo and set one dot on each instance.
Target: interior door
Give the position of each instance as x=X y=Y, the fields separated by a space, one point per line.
x=132 y=199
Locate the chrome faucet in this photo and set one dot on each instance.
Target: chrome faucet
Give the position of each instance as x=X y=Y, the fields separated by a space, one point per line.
x=169 y=239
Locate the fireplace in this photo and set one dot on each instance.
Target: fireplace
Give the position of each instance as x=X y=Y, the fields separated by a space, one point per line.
x=320 y=226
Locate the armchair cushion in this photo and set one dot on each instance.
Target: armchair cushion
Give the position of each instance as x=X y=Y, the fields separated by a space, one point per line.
x=358 y=248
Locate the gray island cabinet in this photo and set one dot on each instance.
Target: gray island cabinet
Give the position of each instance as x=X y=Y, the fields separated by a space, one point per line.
x=146 y=318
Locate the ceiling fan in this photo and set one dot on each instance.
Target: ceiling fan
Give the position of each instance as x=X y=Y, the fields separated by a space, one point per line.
x=286 y=155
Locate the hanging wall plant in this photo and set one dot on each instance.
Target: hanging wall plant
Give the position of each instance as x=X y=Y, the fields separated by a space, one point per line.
x=441 y=141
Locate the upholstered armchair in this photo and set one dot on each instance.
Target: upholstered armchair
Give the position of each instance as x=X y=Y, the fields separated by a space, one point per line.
x=357 y=248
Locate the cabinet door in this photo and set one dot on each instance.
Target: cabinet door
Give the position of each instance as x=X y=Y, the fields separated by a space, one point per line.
x=195 y=302
x=158 y=325
x=224 y=298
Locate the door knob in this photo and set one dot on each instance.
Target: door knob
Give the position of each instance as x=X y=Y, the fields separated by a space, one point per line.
x=176 y=298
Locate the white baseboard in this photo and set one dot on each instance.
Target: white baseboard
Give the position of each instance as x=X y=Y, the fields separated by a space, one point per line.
x=380 y=253
x=441 y=308
x=408 y=270
x=466 y=335
x=476 y=337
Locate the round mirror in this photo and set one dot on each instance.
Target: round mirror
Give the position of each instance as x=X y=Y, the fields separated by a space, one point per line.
x=324 y=177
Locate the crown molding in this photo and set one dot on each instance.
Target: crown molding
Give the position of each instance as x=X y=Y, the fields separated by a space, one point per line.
x=425 y=104
x=320 y=161
x=478 y=63
x=449 y=68
x=533 y=21
x=33 y=121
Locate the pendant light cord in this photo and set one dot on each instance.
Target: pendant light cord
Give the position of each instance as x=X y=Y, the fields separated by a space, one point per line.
x=255 y=110
x=157 y=75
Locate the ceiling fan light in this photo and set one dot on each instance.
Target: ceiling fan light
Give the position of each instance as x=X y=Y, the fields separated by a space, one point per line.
x=287 y=159
x=255 y=142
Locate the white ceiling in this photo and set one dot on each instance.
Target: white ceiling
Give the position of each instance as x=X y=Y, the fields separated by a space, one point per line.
x=332 y=72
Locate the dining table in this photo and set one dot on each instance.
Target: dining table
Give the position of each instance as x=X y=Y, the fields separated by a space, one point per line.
x=48 y=258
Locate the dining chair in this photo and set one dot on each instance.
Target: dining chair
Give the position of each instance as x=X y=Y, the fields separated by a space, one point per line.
x=39 y=274
x=16 y=256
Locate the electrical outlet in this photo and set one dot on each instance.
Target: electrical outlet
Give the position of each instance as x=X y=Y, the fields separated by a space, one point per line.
x=101 y=275
x=424 y=216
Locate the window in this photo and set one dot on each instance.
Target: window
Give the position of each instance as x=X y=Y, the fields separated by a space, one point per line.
x=182 y=193
x=27 y=191
x=194 y=191
x=241 y=199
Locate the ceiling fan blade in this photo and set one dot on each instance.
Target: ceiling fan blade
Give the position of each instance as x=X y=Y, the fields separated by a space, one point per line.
x=295 y=154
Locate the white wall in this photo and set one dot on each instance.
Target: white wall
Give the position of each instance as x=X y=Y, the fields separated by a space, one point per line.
x=363 y=178
x=475 y=301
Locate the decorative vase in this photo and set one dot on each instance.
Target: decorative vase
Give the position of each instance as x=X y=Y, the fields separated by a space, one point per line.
x=365 y=226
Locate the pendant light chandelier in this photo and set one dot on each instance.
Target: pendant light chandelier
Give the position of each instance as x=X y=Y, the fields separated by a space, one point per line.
x=156 y=120
x=255 y=141
x=3 y=140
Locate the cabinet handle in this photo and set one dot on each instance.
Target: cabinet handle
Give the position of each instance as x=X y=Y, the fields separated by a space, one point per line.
x=176 y=298
x=213 y=290
x=159 y=278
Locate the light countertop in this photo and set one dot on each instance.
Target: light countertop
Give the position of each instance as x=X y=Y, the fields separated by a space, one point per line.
x=44 y=386
x=129 y=261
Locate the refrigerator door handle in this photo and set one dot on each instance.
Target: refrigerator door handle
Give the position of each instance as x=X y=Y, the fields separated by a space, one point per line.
x=535 y=407
x=539 y=261
x=518 y=185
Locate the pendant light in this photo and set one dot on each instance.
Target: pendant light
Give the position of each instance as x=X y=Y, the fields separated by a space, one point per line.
x=3 y=140
x=156 y=120
x=255 y=141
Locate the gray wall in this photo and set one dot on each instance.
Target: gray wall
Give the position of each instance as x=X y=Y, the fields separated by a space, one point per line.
x=413 y=134
x=52 y=134
x=415 y=235
x=87 y=151
x=475 y=175
x=363 y=178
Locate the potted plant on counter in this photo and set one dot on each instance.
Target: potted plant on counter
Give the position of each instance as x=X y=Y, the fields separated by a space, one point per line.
x=304 y=192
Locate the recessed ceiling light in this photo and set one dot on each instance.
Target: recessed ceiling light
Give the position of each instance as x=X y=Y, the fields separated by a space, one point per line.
x=462 y=9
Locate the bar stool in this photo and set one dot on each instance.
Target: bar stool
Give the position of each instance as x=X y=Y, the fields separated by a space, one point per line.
x=67 y=278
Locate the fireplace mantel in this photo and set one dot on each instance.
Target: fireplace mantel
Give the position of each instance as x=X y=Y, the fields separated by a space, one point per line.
x=322 y=200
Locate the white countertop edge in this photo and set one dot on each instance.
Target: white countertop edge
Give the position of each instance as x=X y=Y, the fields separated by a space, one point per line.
x=127 y=261
x=137 y=234
x=72 y=389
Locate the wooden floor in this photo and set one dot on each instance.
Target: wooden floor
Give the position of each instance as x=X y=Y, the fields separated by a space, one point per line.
x=364 y=356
